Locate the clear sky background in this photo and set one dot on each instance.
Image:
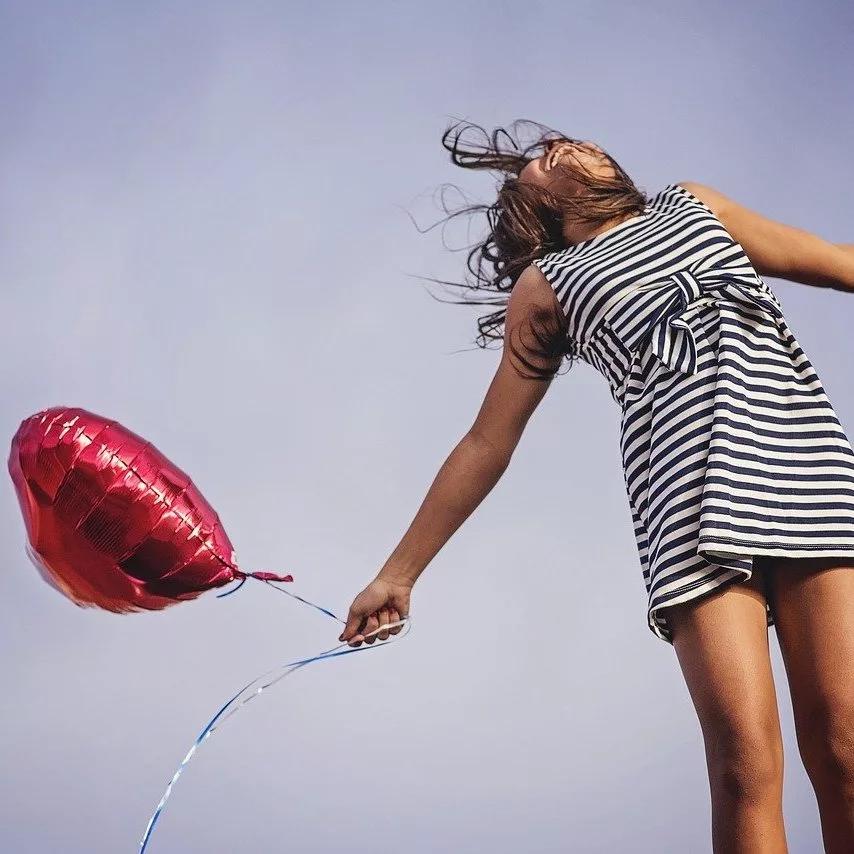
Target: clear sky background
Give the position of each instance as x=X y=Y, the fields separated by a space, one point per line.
x=205 y=234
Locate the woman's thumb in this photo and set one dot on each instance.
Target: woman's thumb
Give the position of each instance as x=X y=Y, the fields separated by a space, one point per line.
x=353 y=620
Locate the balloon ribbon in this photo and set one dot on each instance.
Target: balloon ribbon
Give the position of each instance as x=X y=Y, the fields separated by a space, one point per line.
x=261 y=683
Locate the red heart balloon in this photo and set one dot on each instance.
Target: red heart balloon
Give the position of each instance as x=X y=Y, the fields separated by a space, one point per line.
x=110 y=521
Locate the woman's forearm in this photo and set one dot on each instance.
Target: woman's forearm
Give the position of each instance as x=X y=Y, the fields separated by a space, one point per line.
x=464 y=480
x=846 y=281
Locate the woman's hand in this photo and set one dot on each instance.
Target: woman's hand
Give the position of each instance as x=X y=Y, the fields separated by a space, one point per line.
x=381 y=602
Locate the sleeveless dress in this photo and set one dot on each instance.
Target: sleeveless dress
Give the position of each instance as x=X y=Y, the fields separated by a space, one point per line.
x=729 y=443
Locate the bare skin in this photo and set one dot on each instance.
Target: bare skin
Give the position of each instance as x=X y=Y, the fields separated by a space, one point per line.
x=720 y=639
x=721 y=642
x=812 y=603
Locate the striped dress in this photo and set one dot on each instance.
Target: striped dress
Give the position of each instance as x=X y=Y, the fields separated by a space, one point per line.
x=729 y=443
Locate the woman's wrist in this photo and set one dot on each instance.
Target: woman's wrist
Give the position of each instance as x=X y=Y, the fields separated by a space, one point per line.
x=395 y=573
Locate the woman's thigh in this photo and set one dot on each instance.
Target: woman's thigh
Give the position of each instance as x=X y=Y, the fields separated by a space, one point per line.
x=812 y=600
x=721 y=641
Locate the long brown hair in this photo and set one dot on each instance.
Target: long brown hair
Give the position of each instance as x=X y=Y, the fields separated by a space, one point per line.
x=525 y=222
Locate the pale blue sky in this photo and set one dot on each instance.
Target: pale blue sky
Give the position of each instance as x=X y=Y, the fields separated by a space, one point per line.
x=203 y=235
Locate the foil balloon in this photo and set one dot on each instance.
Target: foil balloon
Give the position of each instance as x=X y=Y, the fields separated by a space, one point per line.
x=110 y=521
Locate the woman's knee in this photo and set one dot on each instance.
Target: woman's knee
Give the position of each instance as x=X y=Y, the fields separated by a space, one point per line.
x=825 y=736
x=745 y=756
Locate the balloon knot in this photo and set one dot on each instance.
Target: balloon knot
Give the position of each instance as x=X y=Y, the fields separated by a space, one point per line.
x=270 y=576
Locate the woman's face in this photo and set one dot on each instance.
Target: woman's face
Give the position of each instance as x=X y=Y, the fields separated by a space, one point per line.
x=589 y=156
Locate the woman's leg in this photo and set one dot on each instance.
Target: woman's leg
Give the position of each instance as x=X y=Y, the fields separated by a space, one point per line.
x=721 y=641
x=813 y=604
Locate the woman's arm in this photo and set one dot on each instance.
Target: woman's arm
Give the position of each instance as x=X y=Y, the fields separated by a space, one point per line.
x=482 y=455
x=779 y=250
x=473 y=467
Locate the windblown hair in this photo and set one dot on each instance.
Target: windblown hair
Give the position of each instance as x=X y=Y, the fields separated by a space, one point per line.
x=526 y=222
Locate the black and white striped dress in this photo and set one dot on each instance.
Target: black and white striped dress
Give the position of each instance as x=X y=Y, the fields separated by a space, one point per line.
x=729 y=443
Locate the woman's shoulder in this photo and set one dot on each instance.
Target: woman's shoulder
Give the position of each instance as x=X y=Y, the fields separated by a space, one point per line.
x=677 y=193
x=555 y=265
x=693 y=193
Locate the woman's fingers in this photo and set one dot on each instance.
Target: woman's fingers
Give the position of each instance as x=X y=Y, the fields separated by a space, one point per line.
x=382 y=618
x=371 y=625
x=354 y=621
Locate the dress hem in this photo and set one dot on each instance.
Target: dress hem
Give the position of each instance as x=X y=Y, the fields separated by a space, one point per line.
x=729 y=547
x=723 y=548
x=697 y=590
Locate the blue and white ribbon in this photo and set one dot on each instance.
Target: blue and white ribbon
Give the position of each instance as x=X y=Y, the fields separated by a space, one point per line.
x=261 y=683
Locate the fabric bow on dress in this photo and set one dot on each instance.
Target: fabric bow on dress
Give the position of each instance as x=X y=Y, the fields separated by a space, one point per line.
x=675 y=327
x=668 y=314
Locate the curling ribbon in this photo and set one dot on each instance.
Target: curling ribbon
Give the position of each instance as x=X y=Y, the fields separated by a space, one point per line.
x=261 y=683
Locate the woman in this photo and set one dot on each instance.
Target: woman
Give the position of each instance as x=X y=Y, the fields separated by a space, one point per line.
x=739 y=476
